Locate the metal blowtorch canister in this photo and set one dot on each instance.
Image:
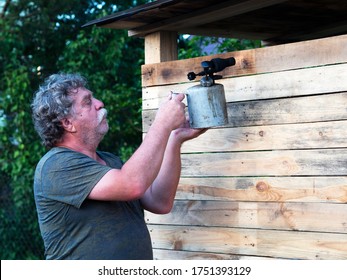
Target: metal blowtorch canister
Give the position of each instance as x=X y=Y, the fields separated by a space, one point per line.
x=206 y=102
x=207 y=106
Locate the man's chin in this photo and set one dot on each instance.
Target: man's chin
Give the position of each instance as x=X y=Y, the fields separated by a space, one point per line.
x=104 y=129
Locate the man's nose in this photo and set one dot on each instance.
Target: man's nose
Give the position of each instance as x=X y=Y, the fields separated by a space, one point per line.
x=99 y=104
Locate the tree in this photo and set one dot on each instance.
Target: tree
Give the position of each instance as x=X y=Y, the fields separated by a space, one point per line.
x=110 y=60
x=194 y=46
x=39 y=38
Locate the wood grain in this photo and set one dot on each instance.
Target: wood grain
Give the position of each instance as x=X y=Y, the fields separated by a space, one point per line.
x=301 y=82
x=160 y=254
x=264 y=189
x=273 y=182
x=267 y=163
x=326 y=51
x=308 y=109
x=254 y=242
x=271 y=137
x=314 y=217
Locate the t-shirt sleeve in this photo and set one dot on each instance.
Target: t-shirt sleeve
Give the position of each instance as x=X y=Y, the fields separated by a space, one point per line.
x=69 y=177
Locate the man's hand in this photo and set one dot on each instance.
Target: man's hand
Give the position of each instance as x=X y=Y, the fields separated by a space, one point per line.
x=185 y=132
x=171 y=112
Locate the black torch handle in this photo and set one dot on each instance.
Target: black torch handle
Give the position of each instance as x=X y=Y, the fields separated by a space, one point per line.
x=220 y=64
x=213 y=66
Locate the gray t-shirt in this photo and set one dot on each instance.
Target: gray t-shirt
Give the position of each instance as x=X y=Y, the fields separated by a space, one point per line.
x=75 y=227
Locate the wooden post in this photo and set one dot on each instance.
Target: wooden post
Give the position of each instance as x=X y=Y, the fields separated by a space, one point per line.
x=161 y=46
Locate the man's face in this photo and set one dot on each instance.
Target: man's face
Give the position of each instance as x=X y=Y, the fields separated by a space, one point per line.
x=89 y=116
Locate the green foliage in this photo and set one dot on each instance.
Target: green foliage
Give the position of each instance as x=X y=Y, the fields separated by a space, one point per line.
x=19 y=151
x=110 y=60
x=194 y=46
x=39 y=38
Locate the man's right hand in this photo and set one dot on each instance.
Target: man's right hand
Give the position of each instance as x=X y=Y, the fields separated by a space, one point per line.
x=171 y=113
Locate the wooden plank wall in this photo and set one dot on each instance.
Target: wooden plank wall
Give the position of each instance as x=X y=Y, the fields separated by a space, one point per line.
x=271 y=184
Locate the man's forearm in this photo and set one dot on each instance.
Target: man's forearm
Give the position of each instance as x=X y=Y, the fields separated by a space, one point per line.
x=159 y=198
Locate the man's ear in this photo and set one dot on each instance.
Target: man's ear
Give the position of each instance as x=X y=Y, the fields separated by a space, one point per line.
x=68 y=125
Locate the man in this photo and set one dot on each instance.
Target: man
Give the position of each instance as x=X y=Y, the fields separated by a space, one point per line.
x=90 y=205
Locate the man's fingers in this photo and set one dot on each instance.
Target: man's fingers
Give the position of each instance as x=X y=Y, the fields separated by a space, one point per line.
x=177 y=96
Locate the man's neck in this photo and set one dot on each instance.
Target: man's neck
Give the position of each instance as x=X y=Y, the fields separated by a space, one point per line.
x=88 y=151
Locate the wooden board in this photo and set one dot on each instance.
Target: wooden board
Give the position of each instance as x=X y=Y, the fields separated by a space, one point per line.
x=264 y=189
x=330 y=162
x=301 y=82
x=160 y=254
x=265 y=60
x=254 y=242
x=272 y=137
x=313 y=217
x=328 y=107
x=289 y=110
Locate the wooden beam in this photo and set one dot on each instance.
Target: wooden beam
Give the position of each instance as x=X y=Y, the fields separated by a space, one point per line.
x=160 y=47
x=317 y=32
x=204 y=16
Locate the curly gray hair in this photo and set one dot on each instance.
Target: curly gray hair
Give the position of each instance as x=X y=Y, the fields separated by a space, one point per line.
x=52 y=103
